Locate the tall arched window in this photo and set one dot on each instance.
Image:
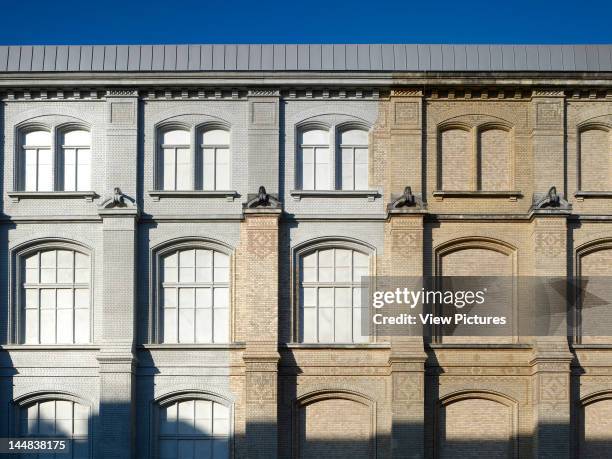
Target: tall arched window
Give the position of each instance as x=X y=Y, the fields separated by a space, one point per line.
x=194 y=429
x=58 y=419
x=55 y=292
x=176 y=160
x=457 y=158
x=330 y=295
x=215 y=159
x=315 y=164
x=354 y=151
x=195 y=296
x=37 y=161
x=76 y=157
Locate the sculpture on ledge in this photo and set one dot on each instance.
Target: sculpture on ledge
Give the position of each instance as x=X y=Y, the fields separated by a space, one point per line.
x=406 y=199
x=262 y=199
x=551 y=199
x=118 y=199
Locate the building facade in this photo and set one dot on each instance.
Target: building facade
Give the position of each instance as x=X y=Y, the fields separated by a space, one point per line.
x=153 y=305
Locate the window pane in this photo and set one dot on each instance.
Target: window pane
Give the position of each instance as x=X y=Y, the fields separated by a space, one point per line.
x=309 y=297
x=30 y=170
x=168 y=169
x=354 y=137
x=308 y=169
x=309 y=325
x=343 y=297
x=361 y=266
x=314 y=137
x=203 y=298
x=168 y=419
x=176 y=137
x=170 y=325
x=64 y=326
x=84 y=170
x=47 y=326
x=31 y=326
x=78 y=138
x=322 y=167
x=358 y=314
x=326 y=265
x=37 y=138
x=361 y=168
x=45 y=174
x=185 y=449
x=343 y=265
x=81 y=326
x=221 y=326
x=223 y=169
x=70 y=169
x=167 y=449
x=186 y=416
x=203 y=421
x=208 y=171
x=203 y=449
x=204 y=325
x=326 y=325
x=221 y=267
x=183 y=169
x=186 y=325
x=220 y=449
x=215 y=137
x=343 y=329
x=347 y=169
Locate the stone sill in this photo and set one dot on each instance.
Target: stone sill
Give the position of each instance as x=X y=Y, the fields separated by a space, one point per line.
x=581 y=195
x=50 y=347
x=479 y=346
x=335 y=346
x=592 y=346
x=229 y=195
x=18 y=195
x=203 y=346
x=299 y=194
x=512 y=195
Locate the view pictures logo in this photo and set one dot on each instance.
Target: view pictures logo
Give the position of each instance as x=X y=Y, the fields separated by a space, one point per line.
x=412 y=298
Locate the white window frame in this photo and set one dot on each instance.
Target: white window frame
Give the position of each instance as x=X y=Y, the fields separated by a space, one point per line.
x=352 y=148
x=23 y=151
x=196 y=156
x=174 y=147
x=156 y=313
x=215 y=148
x=298 y=254
x=315 y=147
x=17 y=311
x=24 y=403
x=77 y=150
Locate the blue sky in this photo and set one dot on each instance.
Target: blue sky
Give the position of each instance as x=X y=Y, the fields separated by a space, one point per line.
x=313 y=21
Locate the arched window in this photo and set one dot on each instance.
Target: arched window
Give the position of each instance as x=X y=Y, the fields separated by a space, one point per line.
x=315 y=163
x=494 y=171
x=176 y=173
x=55 y=293
x=193 y=429
x=595 y=161
x=76 y=158
x=194 y=296
x=215 y=147
x=330 y=295
x=457 y=159
x=37 y=161
x=354 y=152
x=57 y=419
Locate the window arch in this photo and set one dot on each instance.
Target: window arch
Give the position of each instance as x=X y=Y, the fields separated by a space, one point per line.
x=354 y=159
x=191 y=426
x=215 y=158
x=475 y=158
x=315 y=161
x=36 y=159
x=594 y=153
x=194 y=294
x=57 y=416
x=494 y=160
x=194 y=158
x=457 y=159
x=329 y=292
x=54 y=299
x=76 y=159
